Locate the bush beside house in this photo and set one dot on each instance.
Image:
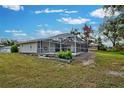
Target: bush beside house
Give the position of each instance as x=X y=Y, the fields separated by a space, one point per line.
x=65 y=54
x=14 y=49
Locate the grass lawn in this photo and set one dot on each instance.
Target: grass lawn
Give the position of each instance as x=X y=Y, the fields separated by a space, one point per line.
x=17 y=70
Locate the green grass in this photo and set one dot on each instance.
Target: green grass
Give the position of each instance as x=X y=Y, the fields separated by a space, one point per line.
x=17 y=70
x=110 y=61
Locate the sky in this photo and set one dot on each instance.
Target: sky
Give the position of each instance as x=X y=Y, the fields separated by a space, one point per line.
x=38 y=21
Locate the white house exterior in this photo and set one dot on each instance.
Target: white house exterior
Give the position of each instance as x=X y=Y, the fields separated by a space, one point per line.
x=54 y=44
x=29 y=47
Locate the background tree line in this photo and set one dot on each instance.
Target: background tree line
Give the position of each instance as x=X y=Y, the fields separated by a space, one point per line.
x=112 y=29
x=8 y=42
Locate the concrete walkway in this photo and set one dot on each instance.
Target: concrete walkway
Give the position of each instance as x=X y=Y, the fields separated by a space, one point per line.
x=86 y=58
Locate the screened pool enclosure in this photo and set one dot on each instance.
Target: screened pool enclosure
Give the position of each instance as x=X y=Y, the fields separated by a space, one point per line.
x=62 y=42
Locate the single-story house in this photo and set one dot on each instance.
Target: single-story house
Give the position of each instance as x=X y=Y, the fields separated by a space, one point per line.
x=51 y=45
x=5 y=49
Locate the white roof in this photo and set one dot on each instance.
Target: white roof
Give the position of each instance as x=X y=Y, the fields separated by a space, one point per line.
x=56 y=38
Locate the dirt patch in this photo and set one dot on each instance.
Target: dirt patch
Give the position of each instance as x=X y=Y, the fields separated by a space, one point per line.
x=88 y=62
x=85 y=58
x=115 y=73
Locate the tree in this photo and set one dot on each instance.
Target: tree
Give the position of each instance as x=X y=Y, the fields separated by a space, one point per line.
x=113 y=25
x=8 y=42
x=75 y=31
x=110 y=30
x=87 y=34
x=99 y=43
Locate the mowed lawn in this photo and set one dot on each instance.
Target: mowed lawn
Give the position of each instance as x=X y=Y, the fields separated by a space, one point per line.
x=18 y=70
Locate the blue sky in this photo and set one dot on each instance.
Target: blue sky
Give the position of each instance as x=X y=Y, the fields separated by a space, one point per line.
x=30 y=22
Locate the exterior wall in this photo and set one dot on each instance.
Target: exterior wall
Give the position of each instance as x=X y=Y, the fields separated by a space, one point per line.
x=28 y=48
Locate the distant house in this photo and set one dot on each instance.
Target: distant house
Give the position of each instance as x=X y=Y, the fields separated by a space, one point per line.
x=5 y=49
x=51 y=45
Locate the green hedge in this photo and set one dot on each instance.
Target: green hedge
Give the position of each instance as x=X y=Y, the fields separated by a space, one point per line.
x=65 y=54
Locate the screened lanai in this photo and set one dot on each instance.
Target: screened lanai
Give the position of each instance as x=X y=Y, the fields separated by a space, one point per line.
x=61 y=42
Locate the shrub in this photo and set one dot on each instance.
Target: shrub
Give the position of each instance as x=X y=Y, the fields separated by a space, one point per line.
x=118 y=48
x=102 y=47
x=68 y=54
x=14 y=49
x=113 y=50
x=65 y=54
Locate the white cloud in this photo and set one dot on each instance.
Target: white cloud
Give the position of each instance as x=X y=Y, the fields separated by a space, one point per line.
x=13 y=31
x=16 y=32
x=47 y=33
x=73 y=20
x=100 y=13
x=19 y=34
x=47 y=10
x=70 y=12
x=13 y=7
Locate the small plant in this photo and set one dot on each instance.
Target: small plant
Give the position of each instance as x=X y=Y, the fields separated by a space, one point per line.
x=65 y=54
x=14 y=49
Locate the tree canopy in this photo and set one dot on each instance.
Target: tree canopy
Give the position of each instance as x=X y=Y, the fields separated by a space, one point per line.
x=113 y=25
